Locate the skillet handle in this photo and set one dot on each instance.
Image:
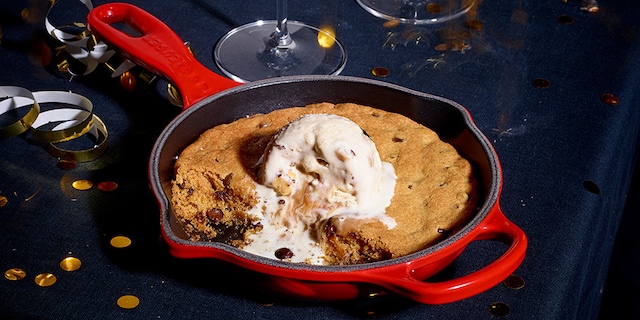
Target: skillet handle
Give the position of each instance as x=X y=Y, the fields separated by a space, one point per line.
x=157 y=48
x=495 y=227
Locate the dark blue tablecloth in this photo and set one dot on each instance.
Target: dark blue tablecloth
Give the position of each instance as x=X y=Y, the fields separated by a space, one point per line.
x=567 y=158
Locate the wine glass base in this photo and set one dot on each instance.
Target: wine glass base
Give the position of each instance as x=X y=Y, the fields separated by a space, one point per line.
x=417 y=11
x=243 y=55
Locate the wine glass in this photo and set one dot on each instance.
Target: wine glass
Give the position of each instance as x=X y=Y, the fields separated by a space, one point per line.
x=417 y=11
x=274 y=48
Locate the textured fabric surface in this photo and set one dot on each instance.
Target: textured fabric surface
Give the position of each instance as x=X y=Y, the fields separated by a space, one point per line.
x=550 y=142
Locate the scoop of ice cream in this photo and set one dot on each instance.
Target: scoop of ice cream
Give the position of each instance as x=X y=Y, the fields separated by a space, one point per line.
x=322 y=166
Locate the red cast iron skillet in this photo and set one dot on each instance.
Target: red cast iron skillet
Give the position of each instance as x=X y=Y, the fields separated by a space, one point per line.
x=210 y=99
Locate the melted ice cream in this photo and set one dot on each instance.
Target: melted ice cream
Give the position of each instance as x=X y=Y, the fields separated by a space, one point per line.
x=318 y=167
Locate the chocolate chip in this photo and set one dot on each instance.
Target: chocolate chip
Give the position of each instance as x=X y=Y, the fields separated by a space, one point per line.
x=329 y=230
x=284 y=253
x=227 y=180
x=396 y=139
x=221 y=195
x=215 y=214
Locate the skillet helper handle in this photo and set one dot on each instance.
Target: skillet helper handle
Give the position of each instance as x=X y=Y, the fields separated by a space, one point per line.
x=495 y=227
x=157 y=49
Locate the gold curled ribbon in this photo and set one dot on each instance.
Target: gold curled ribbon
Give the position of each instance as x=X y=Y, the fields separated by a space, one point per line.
x=99 y=133
x=15 y=98
x=69 y=124
x=72 y=122
x=80 y=46
x=80 y=53
x=58 y=125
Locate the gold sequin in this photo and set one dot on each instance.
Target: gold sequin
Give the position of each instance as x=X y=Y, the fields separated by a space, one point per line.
x=433 y=8
x=120 y=242
x=14 y=274
x=107 y=186
x=128 y=81
x=3 y=201
x=29 y=14
x=128 y=301
x=609 y=99
x=380 y=72
x=499 y=309
x=82 y=184
x=326 y=37
x=45 y=279
x=513 y=282
x=70 y=264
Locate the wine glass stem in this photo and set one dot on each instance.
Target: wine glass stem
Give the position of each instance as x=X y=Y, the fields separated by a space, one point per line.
x=281 y=37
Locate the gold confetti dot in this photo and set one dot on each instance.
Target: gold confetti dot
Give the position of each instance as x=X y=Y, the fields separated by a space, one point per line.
x=120 y=242
x=513 y=282
x=128 y=301
x=28 y=14
x=128 y=81
x=433 y=8
x=499 y=309
x=45 y=279
x=3 y=201
x=107 y=186
x=14 y=274
x=326 y=37
x=82 y=184
x=380 y=72
x=609 y=99
x=70 y=264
